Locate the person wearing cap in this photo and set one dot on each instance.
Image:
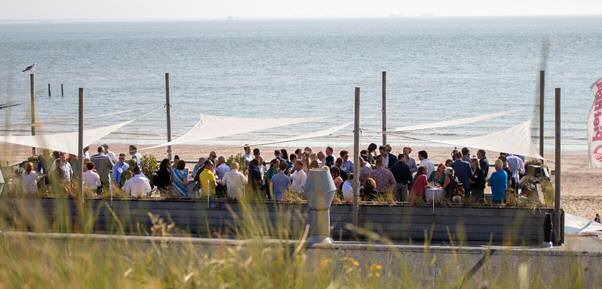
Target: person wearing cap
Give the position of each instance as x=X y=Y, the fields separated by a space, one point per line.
x=208 y=179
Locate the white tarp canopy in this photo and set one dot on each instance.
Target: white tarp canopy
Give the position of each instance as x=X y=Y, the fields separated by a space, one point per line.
x=64 y=142
x=312 y=135
x=515 y=140
x=575 y=225
x=448 y=123
x=213 y=126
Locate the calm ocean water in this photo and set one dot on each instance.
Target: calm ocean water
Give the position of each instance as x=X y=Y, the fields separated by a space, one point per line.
x=438 y=69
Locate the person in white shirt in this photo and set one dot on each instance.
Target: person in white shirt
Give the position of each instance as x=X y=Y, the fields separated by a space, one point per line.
x=112 y=156
x=91 y=179
x=425 y=162
x=248 y=156
x=347 y=189
x=30 y=180
x=298 y=178
x=136 y=156
x=235 y=182
x=138 y=185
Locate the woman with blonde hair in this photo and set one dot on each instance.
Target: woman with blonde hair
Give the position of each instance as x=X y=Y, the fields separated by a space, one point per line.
x=30 y=179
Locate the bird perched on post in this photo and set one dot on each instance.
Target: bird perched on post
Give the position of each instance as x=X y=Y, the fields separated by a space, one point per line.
x=30 y=68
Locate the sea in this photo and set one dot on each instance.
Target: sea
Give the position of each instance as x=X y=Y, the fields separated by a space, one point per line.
x=437 y=69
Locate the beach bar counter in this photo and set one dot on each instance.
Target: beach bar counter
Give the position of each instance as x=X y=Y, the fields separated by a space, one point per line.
x=216 y=218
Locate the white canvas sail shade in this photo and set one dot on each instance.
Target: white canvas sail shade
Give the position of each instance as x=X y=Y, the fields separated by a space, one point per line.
x=448 y=123
x=317 y=134
x=213 y=126
x=64 y=142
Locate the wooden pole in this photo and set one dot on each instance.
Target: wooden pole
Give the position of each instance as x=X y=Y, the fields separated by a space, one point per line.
x=168 y=112
x=80 y=144
x=384 y=107
x=557 y=176
x=62 y=91
x=32 y=92
x=542 y=82
x=49 y=91
x=356 y=159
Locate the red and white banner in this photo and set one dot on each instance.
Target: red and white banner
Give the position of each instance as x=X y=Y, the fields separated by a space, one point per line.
x=594 y=127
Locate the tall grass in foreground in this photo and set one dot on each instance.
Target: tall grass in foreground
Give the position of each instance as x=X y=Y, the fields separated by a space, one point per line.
x=256 y=262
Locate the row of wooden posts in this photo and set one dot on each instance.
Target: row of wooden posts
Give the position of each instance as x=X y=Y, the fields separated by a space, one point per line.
x=356 y=137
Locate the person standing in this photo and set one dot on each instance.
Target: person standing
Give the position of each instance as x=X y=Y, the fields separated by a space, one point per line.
x=517 y=166
x=388 y=159
x=329 y=160
x=248 y=156
x=235 y=182
x=462 y=172
x=135 y=155
x=298 y=178
x=347 y=165
x=411 y=162
x=465 y=154
x=483 y=162
x=383 y=177
x=425 y=162
x=403 y=179
x=30 y=180
x=499 y=183
x=138 y=185
x=103 y=166
x=118 y=169
x=477 y=181
x=281 y=182
x=112 y=156
x=220 y=170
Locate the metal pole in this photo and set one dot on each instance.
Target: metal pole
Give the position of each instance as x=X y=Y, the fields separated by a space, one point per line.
x=356 y=159
x=542 y=81
x=168 y=112
x=33 y=108
x=384 y=108
x=80 y=143
x=62 y=91
x=49 y=91
x=557 y=180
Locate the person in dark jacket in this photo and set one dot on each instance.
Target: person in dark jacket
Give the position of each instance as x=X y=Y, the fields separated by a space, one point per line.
x=477 y=181
x=163 y=178
x=388 y=159
x=403 y=178
x=462 y=172
x=483 y=162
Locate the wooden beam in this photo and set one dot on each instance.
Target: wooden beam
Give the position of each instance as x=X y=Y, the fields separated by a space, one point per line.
x=356 y=158
x=542 y=88
x=168 y=113
x=80 y=143
x=32 y=92
x=558 y=169
x=384 y=107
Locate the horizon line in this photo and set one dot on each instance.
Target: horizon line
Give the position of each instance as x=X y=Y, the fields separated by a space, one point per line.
x=236 y=18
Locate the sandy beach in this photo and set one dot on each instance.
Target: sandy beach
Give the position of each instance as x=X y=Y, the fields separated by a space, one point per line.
x=581 y=185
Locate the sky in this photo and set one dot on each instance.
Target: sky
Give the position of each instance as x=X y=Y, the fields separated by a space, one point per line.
x=278 y=9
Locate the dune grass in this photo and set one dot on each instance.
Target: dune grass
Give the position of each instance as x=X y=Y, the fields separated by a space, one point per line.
x=258 y=261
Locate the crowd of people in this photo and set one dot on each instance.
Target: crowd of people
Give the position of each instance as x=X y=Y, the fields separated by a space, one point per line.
x=382 y=174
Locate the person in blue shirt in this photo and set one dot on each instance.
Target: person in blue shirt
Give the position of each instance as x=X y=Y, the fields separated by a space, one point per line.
x=118 y=169
x=280 y=182
x=463 y=172
x=499 y=183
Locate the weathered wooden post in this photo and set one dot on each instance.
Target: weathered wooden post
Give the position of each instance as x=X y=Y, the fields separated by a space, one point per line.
x=168 y=113
x=542 y=88
x=384 y=107
x=80 y=144
x=62 y=91
x=557 y=176
x=49 y=91
x=32 y=92
x=356 y=159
